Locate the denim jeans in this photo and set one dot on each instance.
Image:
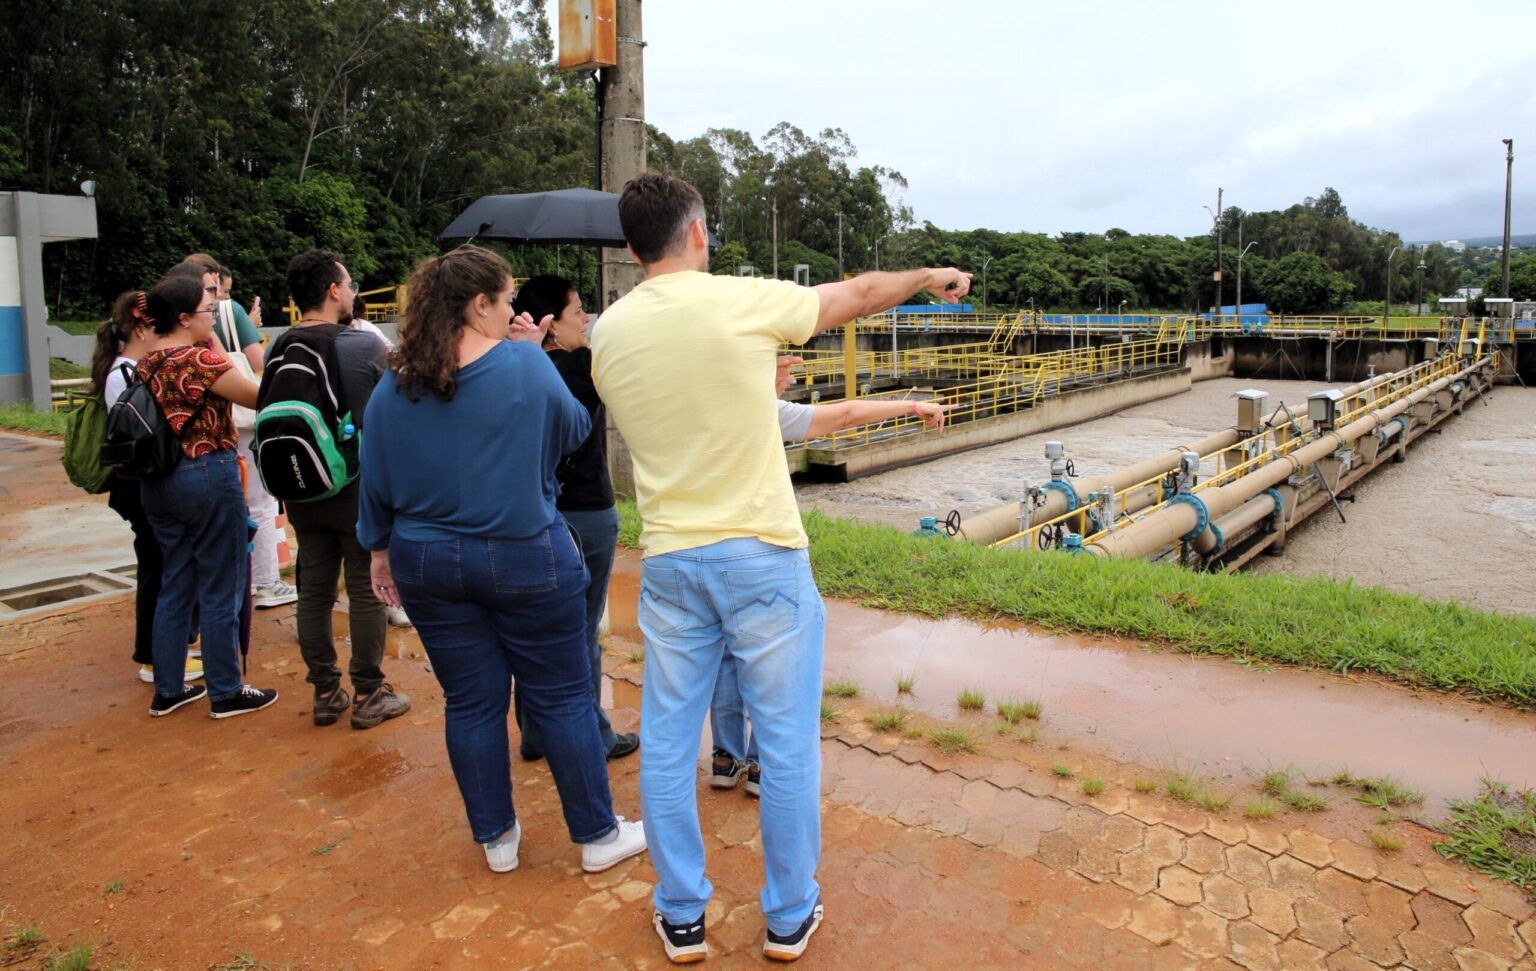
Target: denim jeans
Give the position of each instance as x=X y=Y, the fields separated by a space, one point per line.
x=126 y=500
x=728 y=715
x=756 y=605
x=488 y=611
x=198 y=514
x=598 y=532
x=327 y=532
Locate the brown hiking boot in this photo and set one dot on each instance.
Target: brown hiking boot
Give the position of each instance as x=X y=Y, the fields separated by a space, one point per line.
x=381 y=706
x=330 y=704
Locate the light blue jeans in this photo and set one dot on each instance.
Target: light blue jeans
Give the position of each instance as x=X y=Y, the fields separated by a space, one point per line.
x=728 y=727
x=738 y=601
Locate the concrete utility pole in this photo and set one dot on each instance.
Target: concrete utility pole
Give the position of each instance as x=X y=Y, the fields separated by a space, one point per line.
x=1509 y=177
x=623 y=137
x=1218 y=250
x=775 y=239
x=839 y=246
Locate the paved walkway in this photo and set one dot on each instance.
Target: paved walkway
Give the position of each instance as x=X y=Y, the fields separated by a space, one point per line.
x=187 y=843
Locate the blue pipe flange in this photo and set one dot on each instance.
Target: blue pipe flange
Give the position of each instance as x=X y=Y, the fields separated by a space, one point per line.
x=1279 y=502
x=1204 y=515
x=1065 y=488
x=1221 y=540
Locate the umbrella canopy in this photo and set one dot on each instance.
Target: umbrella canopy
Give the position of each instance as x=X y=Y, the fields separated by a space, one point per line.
x=584 y=217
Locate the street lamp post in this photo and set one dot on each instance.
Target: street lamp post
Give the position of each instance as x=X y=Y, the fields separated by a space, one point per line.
x=775 y=238
x=1419 y=306
x=1240 y=254
x=1122 y=313
x=1216 y=222
x=984 y=264
x=1386 y=307
x=877 y=248
x=1509 y=179
x=839 y=246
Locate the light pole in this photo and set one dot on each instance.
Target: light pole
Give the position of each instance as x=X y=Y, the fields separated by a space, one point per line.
x=1419 y=307
x=775 y=238
x=984 y=264
x=1122 y=313
x=839 y=247
x=1509 y=181
x=1240 y=254
x=1386 y=308
x=877 y=248
x=1107 y=241
x=1216 y=222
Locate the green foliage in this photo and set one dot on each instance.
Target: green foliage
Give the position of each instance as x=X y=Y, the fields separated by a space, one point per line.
x=890 y=720
x=1093 y=787
x=75 y=959
x=1303 y=283
x=1522 y=277
x=1496 y=833
x=841 y=689
x=953 y=741
x=971 y=700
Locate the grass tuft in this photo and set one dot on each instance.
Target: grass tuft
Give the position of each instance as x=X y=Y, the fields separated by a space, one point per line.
x=828 y=714
x=890 y=720
x=905 y=681
x=1183 y=787
x=1382 y=792
x=953 y=741
x=1061 y=771
x=1385 y=841
x=1496 y=833
x=325 y=849
x=76 y=959
x=116 y=886
x=635 y=657
x=1029 y=736
x=25 y=937
x=841 y=689
x=1093 y=787
x=972 y=700
x=1013 y=712
x=1304 y=802
x=1260 y=808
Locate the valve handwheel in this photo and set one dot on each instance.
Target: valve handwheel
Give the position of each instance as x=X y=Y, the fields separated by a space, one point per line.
x=952 y=522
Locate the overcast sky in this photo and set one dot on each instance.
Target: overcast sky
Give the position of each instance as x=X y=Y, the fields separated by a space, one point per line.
x=1046 y=117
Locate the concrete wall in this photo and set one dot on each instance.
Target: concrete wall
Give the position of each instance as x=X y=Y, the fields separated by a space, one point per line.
x=1054 y=412
x=1311 y=359
x=27 y=221
x=1210 y=359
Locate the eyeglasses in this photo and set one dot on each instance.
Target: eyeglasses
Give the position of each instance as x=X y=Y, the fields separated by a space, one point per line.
x=353 y=286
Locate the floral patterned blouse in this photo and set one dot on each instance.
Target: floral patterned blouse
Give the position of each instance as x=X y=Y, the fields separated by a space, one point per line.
x=179 y=385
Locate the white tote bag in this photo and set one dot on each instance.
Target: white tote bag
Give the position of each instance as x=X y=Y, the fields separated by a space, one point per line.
x=229 y=336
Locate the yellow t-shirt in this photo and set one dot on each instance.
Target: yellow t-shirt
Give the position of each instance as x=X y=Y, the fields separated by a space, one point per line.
x=685 y=364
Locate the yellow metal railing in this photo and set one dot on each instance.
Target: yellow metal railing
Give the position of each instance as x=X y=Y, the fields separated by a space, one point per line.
x=375 y=310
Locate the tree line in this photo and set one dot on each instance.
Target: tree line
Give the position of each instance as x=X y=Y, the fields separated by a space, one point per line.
x=256 y=130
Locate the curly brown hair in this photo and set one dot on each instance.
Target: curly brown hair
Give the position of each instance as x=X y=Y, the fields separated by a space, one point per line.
x=427 y=358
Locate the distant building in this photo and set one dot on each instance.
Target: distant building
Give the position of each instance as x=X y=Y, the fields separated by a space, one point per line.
x=1469 y=293
x=1455 y=245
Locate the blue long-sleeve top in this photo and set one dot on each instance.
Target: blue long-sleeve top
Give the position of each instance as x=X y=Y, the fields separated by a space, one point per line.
x=482 y=464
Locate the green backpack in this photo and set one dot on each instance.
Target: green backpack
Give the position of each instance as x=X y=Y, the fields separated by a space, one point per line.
x=84 y=430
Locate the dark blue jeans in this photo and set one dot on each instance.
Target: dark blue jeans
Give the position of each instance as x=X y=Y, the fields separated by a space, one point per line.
x=198 y=514
x=488 y=611
x=598 y=532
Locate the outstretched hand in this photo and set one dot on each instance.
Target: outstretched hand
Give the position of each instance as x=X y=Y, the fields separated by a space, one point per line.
x=522 y=328
x=932 y=413
x=948 y=284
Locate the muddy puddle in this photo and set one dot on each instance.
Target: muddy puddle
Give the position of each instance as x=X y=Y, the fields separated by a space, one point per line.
x=1160 y=708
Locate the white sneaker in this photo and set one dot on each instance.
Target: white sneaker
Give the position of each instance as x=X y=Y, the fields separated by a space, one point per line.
x=274 y=594
x=397 y=617
x=627 y=840
x=501 y=853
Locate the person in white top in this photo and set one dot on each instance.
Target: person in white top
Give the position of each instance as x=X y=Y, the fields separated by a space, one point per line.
x=120 y=341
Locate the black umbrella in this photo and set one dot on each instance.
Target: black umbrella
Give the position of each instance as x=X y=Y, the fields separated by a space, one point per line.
x=584 y=217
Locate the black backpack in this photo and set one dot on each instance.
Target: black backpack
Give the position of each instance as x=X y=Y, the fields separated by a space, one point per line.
x=139 y=441
x=304 y=445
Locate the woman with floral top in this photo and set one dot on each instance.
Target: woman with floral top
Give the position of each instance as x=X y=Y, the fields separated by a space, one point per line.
x=197 y=509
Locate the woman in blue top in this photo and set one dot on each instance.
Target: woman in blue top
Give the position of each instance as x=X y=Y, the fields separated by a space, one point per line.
x=458 y=507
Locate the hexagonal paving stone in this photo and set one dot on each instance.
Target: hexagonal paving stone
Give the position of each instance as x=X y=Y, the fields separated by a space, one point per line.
x=1203 y=933
x=1297 y=955
x=1471 y=959
x=1205 y=854
x=1138 y=872
x=1493 y=932
x=1248 y=865
x=1354 y=859
x=1425 y=953
x=1271 y=910
x=1347 y=960
x=1390 y=906
x=1155 y=919
x=1269 y=838
x=1373 y=940
x=1057 y=850
x=1319 y=924
x=1225 y=897
x=1254 y=947
x=1123 y=833
x=1452 y=883
x=1441 y=919
x=1293 y=876
x=1309 y=847
x=1342 y=891
x=1097 y=862
x=1180 y=885
x=1163 y=845
x=1402 y=874
x=1229 y=832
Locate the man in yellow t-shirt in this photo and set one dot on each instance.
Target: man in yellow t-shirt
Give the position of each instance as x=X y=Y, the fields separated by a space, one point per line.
x=685 y=363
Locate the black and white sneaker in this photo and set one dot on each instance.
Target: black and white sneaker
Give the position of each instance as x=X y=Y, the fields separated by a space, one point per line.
x=243 y=702
x=754 y=780
x=726 y=771
x=164 y=706
x=789 y=948
x=684 y=943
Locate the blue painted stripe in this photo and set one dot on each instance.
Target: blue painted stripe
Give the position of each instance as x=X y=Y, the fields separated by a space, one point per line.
x=13 y=345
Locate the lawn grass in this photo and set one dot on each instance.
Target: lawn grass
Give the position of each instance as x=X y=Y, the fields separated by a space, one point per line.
x=1312 y=621
x=22 y=417
x=1496 y=833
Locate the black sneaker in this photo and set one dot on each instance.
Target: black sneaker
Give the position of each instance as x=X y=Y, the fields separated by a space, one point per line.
x=164 y=706
x=754 y=779
x=726 y=771
x=626 y=744
x=684 y=944
x=789 y=948
x=243 y=702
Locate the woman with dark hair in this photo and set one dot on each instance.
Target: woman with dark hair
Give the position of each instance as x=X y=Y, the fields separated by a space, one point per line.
x=586 y=492
x=458 y=507
x=121 y=340
x=198 y=508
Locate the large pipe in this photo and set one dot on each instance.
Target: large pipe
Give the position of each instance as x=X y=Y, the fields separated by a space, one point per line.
x=1003 y=521
x=1250 y=513
x=1190 y=516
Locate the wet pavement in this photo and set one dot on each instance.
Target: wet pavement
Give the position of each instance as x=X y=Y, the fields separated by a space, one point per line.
x=183 y=842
